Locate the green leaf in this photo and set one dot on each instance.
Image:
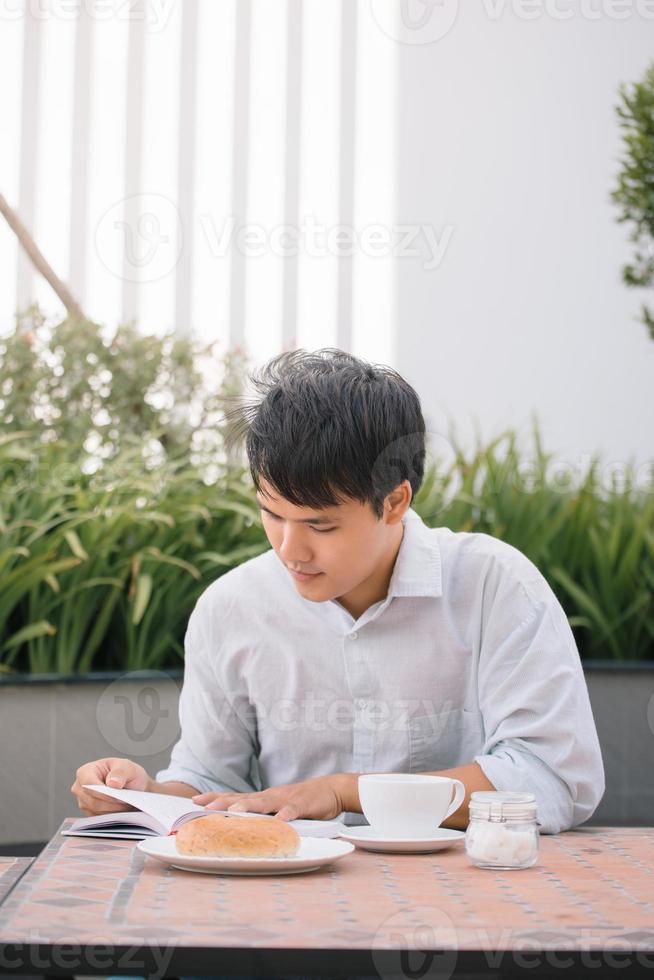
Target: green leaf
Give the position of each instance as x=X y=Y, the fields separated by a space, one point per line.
x=143 y=592
x=75 y=545
x=29 y=633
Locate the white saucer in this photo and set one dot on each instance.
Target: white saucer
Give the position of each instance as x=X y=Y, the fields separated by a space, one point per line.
x=371 y=840
x=314 y=852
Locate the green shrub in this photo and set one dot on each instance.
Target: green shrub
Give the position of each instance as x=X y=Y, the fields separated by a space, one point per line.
x=593 y=543
x=118 y=508
x=101 y=571
x=634 y=191
x=118 y=501
x=71 y=383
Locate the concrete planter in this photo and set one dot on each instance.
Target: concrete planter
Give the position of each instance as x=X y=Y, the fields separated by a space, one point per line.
x=622 y=696
x=50 y=725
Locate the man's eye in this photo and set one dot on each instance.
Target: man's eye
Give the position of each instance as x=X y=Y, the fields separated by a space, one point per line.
x=325 y=530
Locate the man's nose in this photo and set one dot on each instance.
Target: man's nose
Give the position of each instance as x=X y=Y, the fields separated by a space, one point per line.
x=294 y=548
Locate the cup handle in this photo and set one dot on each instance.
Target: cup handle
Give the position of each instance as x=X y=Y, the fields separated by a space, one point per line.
x=459 y=795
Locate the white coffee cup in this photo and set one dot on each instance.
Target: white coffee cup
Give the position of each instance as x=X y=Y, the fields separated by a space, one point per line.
x=400 y=804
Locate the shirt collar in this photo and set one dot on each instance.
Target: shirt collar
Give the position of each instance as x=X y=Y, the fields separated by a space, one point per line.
x=417 y=570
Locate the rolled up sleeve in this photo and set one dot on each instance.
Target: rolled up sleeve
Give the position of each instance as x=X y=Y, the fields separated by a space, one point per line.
x=540 y=734
x=216 y=748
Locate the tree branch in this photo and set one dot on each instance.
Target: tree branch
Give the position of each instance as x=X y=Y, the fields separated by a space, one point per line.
x=39 y=261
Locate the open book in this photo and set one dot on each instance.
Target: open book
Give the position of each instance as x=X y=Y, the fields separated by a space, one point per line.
x=159 y=814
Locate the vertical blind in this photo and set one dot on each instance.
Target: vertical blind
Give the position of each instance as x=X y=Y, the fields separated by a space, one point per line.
x=205 y=166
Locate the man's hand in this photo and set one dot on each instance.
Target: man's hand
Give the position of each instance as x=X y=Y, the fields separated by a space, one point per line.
x=313 y=799
x=115 y=773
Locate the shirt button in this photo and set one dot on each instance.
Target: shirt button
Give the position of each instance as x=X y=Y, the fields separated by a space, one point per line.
x=353 y=636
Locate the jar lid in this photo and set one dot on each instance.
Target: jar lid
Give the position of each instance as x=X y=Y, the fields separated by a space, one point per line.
x=502 y=807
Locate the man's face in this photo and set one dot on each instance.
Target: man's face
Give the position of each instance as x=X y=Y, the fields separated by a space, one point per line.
x=342 y=546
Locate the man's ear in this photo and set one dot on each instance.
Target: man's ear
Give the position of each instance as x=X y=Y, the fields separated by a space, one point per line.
x=397 y=502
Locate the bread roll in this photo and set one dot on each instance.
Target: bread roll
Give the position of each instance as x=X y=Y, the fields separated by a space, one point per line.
x=216 y=835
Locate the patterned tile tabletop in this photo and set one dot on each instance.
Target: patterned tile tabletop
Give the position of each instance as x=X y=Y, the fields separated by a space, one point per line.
x=592 y=889
x=11 y=868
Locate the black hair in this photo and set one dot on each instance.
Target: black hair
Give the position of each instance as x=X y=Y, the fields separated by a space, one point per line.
x=326 y=426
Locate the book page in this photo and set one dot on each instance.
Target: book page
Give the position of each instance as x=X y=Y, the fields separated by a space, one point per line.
x=172 y=811
x=134 y=818
x=164 y=808
x=129 y=823
x=318 y=828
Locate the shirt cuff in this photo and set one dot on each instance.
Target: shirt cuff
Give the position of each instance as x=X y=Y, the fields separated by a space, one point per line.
x=555 y=808
x=203 y=784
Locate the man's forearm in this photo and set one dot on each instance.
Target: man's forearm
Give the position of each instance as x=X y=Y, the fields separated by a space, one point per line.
x=172 y=788
x=473 y=778
x=471 y=775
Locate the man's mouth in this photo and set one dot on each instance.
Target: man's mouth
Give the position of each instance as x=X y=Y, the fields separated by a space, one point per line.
x=303 y=576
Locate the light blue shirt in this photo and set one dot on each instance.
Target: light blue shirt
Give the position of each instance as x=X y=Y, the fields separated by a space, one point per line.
x=469 y=657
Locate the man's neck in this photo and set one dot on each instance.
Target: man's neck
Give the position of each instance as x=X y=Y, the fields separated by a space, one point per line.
x=375 y=588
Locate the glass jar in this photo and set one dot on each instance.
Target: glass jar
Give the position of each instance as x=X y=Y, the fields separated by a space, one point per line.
x=502 y=832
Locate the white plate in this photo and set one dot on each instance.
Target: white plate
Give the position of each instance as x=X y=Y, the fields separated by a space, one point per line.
x=370 y=840
x=313 y=853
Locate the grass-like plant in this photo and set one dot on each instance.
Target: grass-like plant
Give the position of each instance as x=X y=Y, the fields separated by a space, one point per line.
x=591 y=534
x=118 y=506
x=101 y=572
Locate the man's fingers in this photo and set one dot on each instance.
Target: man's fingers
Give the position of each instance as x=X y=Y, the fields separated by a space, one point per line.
x=263 y=802
x=97 y=805
x=222 y=802
x=288 y=813
x=256 y=803
x=108 y=801
x=117 y=777
x=87 y=776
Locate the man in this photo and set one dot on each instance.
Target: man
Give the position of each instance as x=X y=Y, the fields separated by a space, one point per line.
x=365 y=641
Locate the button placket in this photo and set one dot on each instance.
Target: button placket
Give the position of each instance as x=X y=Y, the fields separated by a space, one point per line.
x=363 y=739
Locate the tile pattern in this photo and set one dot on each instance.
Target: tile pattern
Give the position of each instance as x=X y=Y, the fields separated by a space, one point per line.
x=593 y=889
x=11 y=868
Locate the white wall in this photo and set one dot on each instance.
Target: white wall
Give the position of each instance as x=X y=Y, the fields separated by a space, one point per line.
x=499 y=138
x=507 y=134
